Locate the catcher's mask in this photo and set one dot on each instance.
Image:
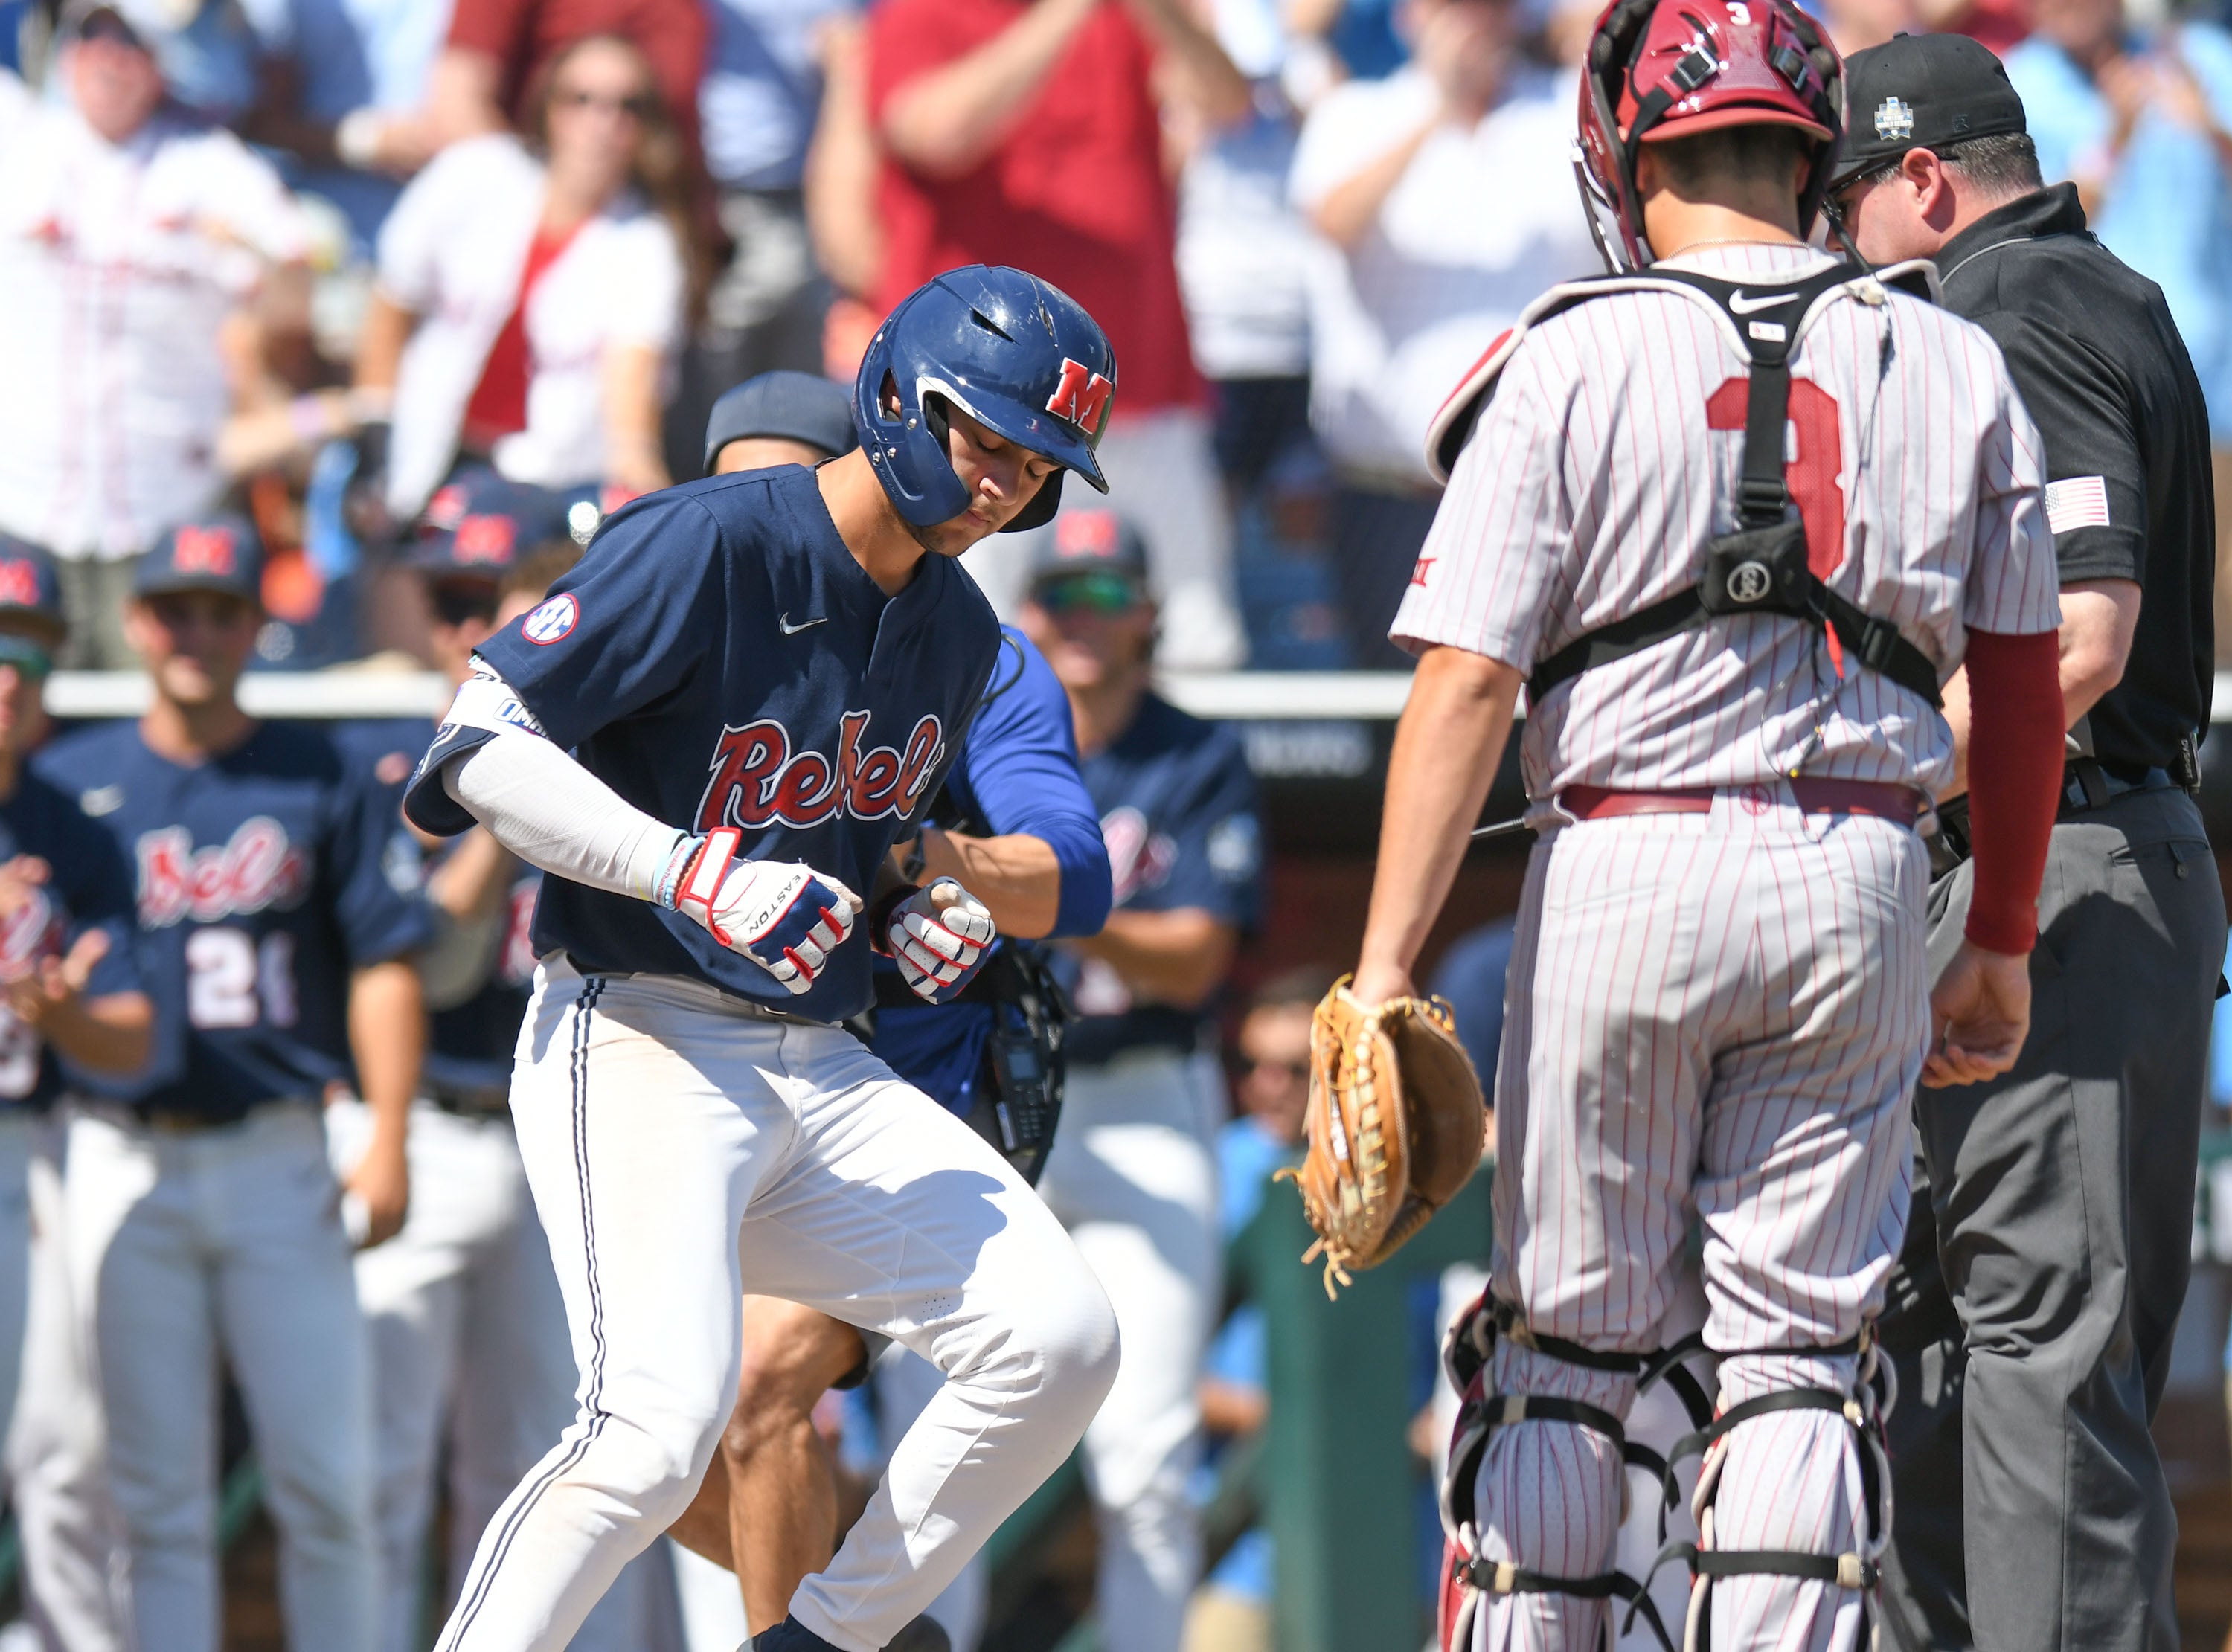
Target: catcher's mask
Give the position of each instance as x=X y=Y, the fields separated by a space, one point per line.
x=1672 y=68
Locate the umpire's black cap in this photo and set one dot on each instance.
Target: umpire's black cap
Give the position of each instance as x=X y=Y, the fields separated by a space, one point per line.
x=1921 y=91
x=219 y=552
x=788 y=407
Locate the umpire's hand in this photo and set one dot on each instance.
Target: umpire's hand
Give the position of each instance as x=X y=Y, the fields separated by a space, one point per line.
x=1980 y=1015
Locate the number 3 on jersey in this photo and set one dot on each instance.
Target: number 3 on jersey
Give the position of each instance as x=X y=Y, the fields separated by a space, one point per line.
x=1814 y=471
x=232 y=982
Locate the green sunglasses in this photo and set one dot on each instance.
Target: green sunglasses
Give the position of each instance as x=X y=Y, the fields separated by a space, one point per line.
x=1102 y=593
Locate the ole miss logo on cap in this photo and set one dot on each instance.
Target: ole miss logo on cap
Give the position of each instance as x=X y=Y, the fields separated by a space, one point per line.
x=204 y=550
x=1082 y=396
x=1085 y=533
x=484 y=538
x=19 y=583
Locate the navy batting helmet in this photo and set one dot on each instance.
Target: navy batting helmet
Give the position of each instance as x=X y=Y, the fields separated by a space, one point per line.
x=1020 y=357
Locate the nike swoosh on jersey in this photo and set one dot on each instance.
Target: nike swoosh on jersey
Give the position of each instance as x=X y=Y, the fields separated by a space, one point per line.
x=790 y=630
x=1743 y=305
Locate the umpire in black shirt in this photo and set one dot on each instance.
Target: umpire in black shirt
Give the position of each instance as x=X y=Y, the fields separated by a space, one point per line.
x=2032 y=1311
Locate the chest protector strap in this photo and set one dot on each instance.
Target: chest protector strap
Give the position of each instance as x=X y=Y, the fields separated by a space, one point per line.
x=1762 y=567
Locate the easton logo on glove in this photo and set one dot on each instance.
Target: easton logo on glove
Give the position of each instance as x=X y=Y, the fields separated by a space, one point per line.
x=1395 y=1125
x=786 y=918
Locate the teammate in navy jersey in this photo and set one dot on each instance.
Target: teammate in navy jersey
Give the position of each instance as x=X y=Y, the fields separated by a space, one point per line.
x=466 y=1327
x=1132 y=1173
x=1015 y=825
x=274 y=939
x=763 y=678
x=68 y=988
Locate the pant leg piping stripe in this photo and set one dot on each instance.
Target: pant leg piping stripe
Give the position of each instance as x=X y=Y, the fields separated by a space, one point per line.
x=578 y=1065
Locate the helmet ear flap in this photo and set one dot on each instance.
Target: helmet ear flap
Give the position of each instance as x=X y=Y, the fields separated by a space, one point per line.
x=1041 y=510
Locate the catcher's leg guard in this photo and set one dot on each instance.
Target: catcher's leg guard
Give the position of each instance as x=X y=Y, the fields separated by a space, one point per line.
x=1794 y=1499
x=1576 y=1486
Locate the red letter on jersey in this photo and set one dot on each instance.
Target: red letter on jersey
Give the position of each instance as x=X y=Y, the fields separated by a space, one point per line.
x=1813 y=473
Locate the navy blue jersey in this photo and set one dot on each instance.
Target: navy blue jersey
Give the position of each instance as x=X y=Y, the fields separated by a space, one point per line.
x=1177 y=811
x=469 y=1045
x=1017 y=773
x=86 y=888
x=260 y=879
x=719 y=659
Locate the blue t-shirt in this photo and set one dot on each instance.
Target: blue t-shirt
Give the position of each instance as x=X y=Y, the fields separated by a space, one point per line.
x=763 y=89
x=1471 y=975
x=87 y=889
x=2167 y=210
x=261 y=878
x=719 y=658
x=469 y=1045
x=1177 y=811
x=1017 y=773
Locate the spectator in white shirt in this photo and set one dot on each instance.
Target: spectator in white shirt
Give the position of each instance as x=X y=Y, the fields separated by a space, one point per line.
x=531 y=295
x=1444 y=196
x=130 y=234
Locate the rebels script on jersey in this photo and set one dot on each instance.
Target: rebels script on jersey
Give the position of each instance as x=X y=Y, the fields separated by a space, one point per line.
x=261 y=879
x=1608 y=457
x=85 y=889
x=718 y=659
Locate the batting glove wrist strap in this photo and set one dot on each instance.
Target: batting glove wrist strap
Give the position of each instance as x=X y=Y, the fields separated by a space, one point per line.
x=938 y=937
x=786 y=918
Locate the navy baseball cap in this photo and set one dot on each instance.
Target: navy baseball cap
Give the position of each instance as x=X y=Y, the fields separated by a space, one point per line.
x=30 y=589
x=1922 y=92
x=1088 y=538
x=478 y=525
x=219 y=552
x=790 y=406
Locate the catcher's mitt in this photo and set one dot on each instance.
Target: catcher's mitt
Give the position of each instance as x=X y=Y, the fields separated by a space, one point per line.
x=1395 y=1126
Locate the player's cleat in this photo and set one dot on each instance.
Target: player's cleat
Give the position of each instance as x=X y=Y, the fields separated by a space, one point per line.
x=923 y=1635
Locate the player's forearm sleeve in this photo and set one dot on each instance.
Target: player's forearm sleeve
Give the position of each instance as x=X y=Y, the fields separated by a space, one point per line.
x=552 y=813
x=2014 y=780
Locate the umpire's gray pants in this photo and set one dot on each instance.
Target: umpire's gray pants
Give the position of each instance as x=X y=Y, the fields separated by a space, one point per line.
x=2046 y=1262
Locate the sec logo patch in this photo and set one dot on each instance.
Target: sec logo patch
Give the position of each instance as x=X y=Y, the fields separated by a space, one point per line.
x=553 y=621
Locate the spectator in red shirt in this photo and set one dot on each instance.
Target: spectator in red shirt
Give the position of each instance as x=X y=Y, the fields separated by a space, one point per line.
x=499 y=50
x=1030 y=134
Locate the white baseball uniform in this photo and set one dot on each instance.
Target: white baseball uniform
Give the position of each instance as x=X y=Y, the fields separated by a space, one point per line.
x=1722 y=1012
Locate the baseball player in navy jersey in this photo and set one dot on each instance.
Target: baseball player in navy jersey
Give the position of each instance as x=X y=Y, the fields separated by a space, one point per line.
x=1133 y=1174
x=784 y=662
x=202 y=1218
x=1733 y=512
x=1013 y=824
x=69 y=990
x=467 y=1331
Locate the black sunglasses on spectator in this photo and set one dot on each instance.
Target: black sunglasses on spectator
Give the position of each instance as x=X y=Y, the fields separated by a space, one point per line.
x=456 y=604
x=640 y=106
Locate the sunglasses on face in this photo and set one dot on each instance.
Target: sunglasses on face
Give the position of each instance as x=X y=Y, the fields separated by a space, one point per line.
x=106 y=26
x=29 y=658
x=1298 y=1072
x=1095 y=593
x=458 y=605
x=639 y=106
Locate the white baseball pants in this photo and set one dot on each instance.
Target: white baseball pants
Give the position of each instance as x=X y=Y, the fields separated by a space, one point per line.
x=1132 y=1176
x=1722 y=1012
x=74 y=1571
x=683 y=1151
x=186 y=1244
x=469 y=1346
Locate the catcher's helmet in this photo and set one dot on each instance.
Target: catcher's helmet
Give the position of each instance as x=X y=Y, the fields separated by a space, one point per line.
x=1670 y=69
x=1020 y=357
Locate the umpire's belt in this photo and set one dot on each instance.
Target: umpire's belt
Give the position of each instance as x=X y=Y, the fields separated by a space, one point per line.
x=1901 y=804
x=2087 y=784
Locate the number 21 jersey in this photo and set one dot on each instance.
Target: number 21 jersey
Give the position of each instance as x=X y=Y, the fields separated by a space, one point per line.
x=261 y=879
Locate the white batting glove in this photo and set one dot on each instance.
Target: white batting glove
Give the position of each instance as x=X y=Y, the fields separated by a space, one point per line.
x=937 y=936
x=788 y=918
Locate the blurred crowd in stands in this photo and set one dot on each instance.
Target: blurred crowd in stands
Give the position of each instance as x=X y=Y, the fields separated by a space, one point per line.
x=308 y=258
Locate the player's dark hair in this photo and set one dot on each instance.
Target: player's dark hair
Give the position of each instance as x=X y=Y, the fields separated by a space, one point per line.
x=2003 y=166
x=536 y=573
x=1745 y=154
x=1299 y=987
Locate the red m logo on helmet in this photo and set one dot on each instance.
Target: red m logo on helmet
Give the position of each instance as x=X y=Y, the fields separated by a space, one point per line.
x=1082 y=396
